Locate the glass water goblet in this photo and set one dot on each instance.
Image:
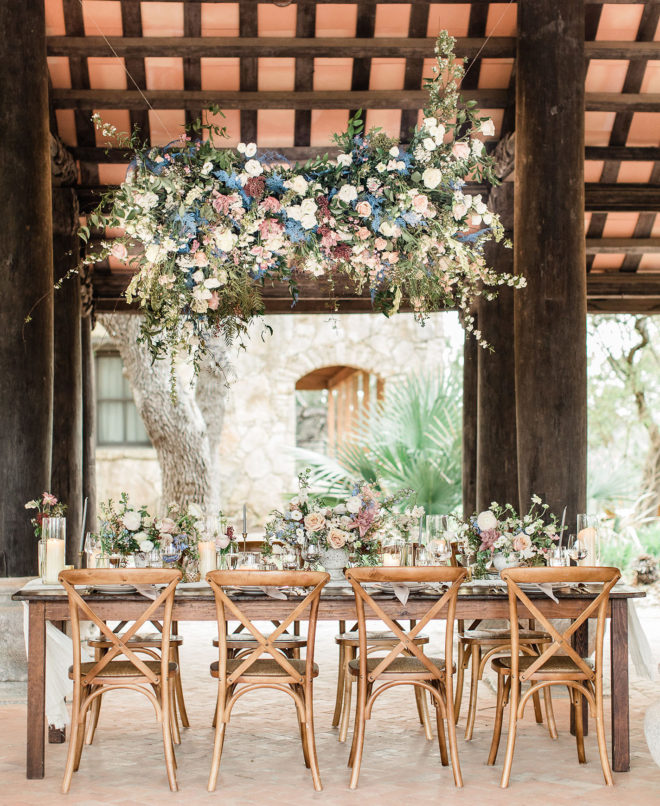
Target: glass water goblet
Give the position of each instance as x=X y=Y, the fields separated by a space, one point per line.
x=577 y=550
x=289 y=559
x=93 y=549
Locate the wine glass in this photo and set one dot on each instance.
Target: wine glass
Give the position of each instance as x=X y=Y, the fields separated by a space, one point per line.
x=310 y=552
x=93 y=549
x=576 y=549
x=171 y=553
x=289 y=559
x=440 y=549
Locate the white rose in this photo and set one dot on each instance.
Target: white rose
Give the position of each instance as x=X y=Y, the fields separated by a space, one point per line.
x=299 y=185
x=388 y=229
x=253 y=168
x=487 y=127
x=344 y=159
x=222 y=541
x=241 y=148
x=146 y=545
x=432 y=178
x=152 y=252
x=394 y=151
x=195 y=511
x=250 y=149
x=212 y=283
x=132 y=520
x=296 y=515
x=347 y=193
x=225 y=240
x=340 y=509
x=430 y=123
x=198 y=276
x=308 y=206
x=381 y=167
x=459 y=210
x=353 y=504
x=486 y=520
x=308 y=221
x=207 y=168
x=477 y=147
x=429 y=143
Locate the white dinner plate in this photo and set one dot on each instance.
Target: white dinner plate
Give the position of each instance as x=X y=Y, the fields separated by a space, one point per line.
x=114 y=588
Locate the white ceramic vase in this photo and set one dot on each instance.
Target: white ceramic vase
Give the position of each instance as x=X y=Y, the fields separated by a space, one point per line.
x=501 y=561
x=334 y=561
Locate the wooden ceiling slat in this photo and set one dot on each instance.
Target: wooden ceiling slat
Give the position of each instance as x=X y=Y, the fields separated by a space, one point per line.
x=304 y=74
x=643 y=228
x=592 y=15
x=192 y=66
x=416 y=45
x=417 y=27
x=638 y=245
x=365 y=28
x=248 y=26
x=78 y=68
x=131 y=20
x=251 y=101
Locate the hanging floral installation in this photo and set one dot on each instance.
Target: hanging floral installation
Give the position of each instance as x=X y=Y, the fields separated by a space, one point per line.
x=205 y=226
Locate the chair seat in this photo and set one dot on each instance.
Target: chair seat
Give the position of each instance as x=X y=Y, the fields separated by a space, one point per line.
x=373 y=637
x=242 y=640
x=559 y=666
x=401 y=665
x=495 y=637
x=122 y=669
x=264 y=668
x=149 y=641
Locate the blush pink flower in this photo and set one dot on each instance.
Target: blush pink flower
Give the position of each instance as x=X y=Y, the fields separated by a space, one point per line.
x=380 y=243
x=521 y=542
x=488 y=538
x=363 y=209
x=420 y=203
x=461 y=150
x=271 y=204
x=362 y=233
x=49 y=499
x=119 y=251
x=214 y=301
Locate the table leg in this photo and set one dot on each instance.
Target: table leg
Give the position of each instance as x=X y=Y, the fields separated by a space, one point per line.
x=36 y=691
x=620 y=693
x=580 y=643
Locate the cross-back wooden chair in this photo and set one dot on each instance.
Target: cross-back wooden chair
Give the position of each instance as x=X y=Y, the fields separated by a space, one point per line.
x=377 y=641
x=92 y=679
x=406 y=663
x=579 y=675
x=276 y=671
x=149 y=645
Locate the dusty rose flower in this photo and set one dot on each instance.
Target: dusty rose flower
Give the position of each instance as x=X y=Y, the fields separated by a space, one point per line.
x=380 y=243
x=271 y=204
x=522 y=542
x=337 y=538
x=214 y=301
x=314 y=521
x=420 y=203
x=119 y=251
x=166 y=526
x=49 y=499
x=488 y=538
x=461 y=150
x=363 y=209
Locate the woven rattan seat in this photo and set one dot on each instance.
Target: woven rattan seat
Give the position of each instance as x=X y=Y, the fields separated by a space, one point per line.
x=400 y=665
x=374 y=637
x=502 y=636
x=121 y=668
x=153 y=639
x=242 y=640
x=264 y=667
x=556 y=665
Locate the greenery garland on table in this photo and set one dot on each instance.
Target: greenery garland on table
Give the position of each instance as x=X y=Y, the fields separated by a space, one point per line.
x=213 y=223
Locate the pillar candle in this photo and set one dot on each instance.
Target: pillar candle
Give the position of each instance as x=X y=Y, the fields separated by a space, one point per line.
x=390 y=558
x=54 y=560
x=207 y=562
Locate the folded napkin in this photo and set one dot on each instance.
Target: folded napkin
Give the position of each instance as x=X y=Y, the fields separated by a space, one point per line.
x=274 y=593
x=148 y=591
x=401 y=591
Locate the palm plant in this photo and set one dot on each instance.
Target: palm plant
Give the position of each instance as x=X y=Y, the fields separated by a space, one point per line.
x=410 y=439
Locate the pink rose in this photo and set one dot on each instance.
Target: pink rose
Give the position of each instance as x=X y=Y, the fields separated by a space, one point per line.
x=271 y=204
x=461 y=150
x=214 y=301
x=521 y=542
x=420 y=203
x=337 y=538
x=119 y=251
x=49 y=499
x=201 y=259
x=166 y=526
x=380 y=243
x=314 y=521
x=362 y=233
x=363 y=209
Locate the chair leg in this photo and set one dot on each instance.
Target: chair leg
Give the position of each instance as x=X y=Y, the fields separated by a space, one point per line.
x=423 y=711
x=460 y=674
x=537 y=708
x=93 y=719
x=442 y=744
x=168 y=747
x=217 y=753
x=511 y=737
x=497 y=728
x=549 y=712
x=311 y=742
x=180 y=702
x=301 y=725
x=341 y=671
x=475 y=659
x=174 y=721
x=346 y=700
x=579 y=727
x=71 y=752
x=81 y=730
x=359 y=729
x=602 y=743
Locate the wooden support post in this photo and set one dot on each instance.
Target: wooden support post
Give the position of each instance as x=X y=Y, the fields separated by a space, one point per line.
x=66 y=475
x=26 y=274
x=88 y=419
x=470 y=385
x=497 y=461
x=550 y=314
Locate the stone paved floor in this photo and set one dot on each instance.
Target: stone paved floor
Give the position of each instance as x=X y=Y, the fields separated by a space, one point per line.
x=262 y=760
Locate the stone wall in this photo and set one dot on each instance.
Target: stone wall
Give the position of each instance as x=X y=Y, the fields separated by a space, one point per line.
x=259 y=432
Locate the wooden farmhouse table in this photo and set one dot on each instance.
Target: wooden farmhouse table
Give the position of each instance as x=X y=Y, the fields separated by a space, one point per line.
x=198 y=605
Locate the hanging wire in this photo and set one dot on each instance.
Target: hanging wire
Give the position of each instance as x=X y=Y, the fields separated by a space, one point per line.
x=489 y=37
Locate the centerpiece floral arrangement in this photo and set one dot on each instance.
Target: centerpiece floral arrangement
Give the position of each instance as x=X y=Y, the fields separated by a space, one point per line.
x=354 y=524
x=124 y=529
x=47 y=506
x=205 y=226
x=521 y=540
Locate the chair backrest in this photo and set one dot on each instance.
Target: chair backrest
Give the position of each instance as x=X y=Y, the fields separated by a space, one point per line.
x=229 y=610
x=164 y=601
x=603 y=577
x=451 y=576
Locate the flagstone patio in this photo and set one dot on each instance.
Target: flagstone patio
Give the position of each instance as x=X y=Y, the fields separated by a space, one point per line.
x=262 y=761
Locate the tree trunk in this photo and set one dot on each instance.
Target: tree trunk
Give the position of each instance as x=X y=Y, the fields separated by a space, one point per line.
x=186 y=444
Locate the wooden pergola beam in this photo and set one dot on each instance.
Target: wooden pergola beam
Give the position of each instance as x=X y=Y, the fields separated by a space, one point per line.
x=326 y=47
x=631 y=246
x=303 y=153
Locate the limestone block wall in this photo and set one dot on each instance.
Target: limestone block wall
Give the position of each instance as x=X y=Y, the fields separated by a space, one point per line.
x=259 y=431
